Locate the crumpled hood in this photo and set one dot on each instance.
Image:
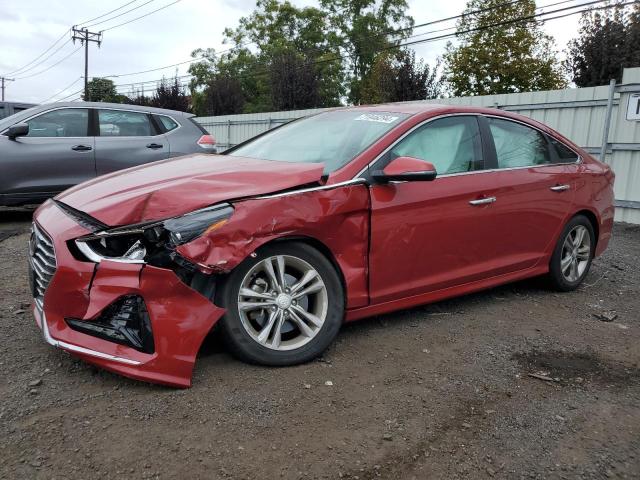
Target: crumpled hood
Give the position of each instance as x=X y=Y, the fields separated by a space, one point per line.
x=180 y=185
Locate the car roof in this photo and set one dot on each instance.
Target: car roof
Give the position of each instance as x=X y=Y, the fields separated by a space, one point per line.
x=120 y=106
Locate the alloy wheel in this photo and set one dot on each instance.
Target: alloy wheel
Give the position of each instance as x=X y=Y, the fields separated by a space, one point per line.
x=282 y=302
x=576 y=253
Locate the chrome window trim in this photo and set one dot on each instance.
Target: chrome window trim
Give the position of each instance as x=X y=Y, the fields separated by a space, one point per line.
x=98 y=108
x=415 y=127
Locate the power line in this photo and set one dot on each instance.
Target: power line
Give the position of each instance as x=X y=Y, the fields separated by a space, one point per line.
x=70 y=95
x=63 y=90
x=153 y=69
x=108 y=13
x=431 y=39
x=41 y=55
x=421 y=34
x=120 y=14
x=22 y=70
x=50 y=66
x=142 y=16
x=52 y=54
x=386 y=33
x=470 y=30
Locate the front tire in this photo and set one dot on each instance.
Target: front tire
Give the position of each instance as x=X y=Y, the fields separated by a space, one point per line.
x=284 y=306
x=573 y=254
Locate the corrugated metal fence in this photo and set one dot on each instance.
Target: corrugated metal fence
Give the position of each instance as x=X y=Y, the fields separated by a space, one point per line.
x=595 y=118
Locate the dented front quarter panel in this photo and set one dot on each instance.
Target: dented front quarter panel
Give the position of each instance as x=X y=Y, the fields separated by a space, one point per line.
x=337 y=217
x=180 y=317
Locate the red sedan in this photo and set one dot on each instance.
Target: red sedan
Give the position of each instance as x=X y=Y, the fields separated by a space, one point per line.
x=332 y=218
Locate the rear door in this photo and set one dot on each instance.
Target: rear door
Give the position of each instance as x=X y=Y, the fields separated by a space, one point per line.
x=536 y=185
x=56 y=154
x=126 y=139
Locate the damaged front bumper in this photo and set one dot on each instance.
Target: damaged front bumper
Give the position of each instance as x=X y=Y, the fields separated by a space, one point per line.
x=68 y=291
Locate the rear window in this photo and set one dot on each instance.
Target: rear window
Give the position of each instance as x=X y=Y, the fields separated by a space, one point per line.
x=167 y=123
x=116 y=123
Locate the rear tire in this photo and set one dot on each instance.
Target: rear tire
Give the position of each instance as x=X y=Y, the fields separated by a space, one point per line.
x=572 y=255
x=284 y=306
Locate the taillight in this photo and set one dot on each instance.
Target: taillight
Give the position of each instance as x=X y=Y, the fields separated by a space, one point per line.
x=207 y=142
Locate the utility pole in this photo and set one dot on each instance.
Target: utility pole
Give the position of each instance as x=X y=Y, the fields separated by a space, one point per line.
x=85 y=36
x=2 y=80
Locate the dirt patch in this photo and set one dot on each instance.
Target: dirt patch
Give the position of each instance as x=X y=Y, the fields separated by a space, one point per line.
x=436 y=392
x=576 y=367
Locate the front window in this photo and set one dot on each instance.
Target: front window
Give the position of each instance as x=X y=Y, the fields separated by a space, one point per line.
x=451 y=144
x=331 y=138
x=65 y=122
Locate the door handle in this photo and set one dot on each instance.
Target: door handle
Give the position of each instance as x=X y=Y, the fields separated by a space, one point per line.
x=482 y=201
x=154 y=145
x=81 y=148
x=560 y=188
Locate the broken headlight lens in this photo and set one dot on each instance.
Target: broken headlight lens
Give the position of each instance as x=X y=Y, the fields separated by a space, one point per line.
x=135 y=243
x=190 y=226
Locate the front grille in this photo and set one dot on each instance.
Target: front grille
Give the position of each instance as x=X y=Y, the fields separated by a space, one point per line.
x=42 y=259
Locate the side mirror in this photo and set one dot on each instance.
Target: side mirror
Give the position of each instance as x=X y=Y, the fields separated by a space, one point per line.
x=406 y=169
x=18 y=130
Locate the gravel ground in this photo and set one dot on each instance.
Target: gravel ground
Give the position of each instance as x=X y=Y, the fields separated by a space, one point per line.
x=442 y=391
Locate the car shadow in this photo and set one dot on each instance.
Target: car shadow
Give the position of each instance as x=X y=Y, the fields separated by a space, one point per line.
x=537 y=286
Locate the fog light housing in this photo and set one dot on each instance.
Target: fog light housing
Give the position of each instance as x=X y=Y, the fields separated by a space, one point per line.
x=126 y=322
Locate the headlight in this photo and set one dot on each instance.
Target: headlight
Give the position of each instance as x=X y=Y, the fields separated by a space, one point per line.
x=192 y=225
x=135 y=243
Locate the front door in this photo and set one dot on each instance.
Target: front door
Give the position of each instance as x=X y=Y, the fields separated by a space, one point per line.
x=55 y=155
x=427 y=236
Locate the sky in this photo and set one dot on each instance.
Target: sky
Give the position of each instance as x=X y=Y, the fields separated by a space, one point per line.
x=28 y=28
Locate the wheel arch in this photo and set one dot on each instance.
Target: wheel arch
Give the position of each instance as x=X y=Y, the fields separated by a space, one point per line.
x=593 y=219
x=310 y=241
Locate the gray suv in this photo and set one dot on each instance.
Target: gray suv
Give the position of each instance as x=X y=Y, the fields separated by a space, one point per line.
x=47 y=149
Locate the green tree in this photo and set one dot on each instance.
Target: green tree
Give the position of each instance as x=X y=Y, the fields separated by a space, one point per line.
x=608 y=42
x=223 y=95
x=397 y=77
x=274 y=30
x=171 y=95
x=103 y=90
x=294 y=81
x=499 y=53
x=364 y=28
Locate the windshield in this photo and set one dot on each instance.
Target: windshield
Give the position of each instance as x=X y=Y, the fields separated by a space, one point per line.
x=331 y=138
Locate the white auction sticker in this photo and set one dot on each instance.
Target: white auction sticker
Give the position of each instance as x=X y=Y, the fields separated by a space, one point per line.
x=376 y=117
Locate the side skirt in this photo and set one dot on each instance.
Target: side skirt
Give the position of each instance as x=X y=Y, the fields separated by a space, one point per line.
x=437 y=295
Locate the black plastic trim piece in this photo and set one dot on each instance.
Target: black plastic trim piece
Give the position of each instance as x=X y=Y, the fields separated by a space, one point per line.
x=126 y=322
x=87 y=221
